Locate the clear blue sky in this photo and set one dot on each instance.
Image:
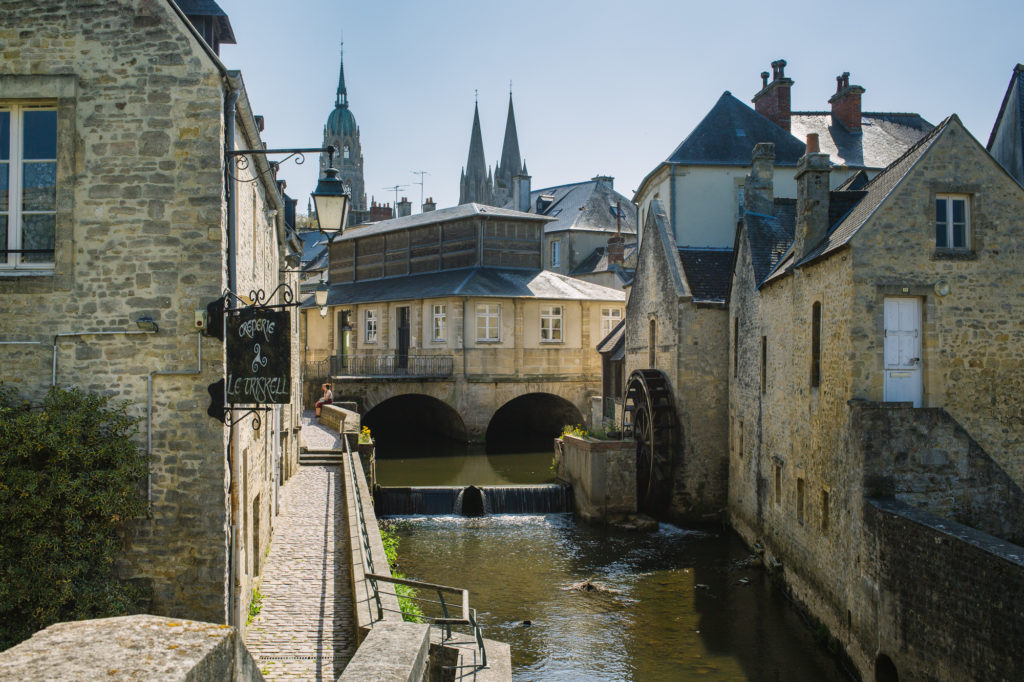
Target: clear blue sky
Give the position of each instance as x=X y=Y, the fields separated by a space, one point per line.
x=600 y=87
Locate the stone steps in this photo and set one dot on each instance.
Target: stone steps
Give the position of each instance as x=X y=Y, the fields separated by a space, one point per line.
x=320 y=457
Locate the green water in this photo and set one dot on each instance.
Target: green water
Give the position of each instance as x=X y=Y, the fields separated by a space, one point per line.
x=462 y=465
x=683 y=606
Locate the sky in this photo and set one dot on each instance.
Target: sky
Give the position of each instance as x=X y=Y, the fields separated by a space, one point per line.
x=600 y=87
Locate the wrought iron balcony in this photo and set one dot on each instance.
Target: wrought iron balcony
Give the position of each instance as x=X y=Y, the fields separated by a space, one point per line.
x=391 y=365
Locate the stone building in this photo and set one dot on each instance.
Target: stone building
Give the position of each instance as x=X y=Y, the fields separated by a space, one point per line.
x=875 y=376
x=115 y=119
x=677 y=324
x=454 y=307
x=342 y=133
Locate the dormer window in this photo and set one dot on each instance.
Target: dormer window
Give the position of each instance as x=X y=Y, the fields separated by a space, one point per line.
x=952 y=221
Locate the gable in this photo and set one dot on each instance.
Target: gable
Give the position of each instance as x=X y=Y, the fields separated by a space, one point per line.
x=1006 y=143
x=659 y=254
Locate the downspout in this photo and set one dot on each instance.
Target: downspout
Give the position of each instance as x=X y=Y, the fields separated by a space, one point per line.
x=126 y=332
x=234 y=578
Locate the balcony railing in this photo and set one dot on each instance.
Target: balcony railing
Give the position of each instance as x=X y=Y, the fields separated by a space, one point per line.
x=432 y=366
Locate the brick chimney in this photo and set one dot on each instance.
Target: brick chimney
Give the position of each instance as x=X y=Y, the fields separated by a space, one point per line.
x=404 y=208
x=773 y=100
x=429 y=205
x=846 y=103
x=812 y=199
x=380 y=212
x=759 y=186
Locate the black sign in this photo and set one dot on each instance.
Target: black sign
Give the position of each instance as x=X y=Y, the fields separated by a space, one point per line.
x=259 y=357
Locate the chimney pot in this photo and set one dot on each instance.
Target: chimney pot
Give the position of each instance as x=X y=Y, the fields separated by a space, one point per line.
x=773 y=101
x=764 y=79
x=846 y=103
x=812 y=143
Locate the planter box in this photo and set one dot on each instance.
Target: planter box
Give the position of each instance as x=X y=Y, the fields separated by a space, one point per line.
x=602 y=474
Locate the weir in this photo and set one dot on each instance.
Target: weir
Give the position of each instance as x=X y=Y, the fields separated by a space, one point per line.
x=473 y=500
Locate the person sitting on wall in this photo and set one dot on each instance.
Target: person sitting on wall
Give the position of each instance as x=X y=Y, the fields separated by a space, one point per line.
x=327 y=399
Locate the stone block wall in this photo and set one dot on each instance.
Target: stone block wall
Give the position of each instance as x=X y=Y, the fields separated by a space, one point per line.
x=602 y=475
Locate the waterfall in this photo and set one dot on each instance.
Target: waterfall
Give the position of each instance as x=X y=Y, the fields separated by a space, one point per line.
x=473 y=500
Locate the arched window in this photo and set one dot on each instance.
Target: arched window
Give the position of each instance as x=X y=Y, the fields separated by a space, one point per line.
x=816 y=344
x=345 y=154
x=652 y=338
x=885 y=669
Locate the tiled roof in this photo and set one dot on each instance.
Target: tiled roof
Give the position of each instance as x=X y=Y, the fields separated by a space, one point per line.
x=431 y=217
x=883 y=137
x=727 y=134
x=875 y=193
x=769 y=237
x=477 y=282
x=856 y=181
x=614 y=345
x=707 y=271
x=588 y=205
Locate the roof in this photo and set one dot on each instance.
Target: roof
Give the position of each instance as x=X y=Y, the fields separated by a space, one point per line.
x=874 y=193
x=597 y=261
x=588 y=205
x=882 y=139
x=209 y=8
x=475 y=282
x=1008 y=129
x=727 y=134
x=614 y=345
x=770 y=237
x=708 y=272
x=439 y=216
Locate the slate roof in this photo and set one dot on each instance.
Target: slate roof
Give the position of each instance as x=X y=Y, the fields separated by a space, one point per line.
x=883 y=137
x=588 y=205
x=476 y=282
x=769 y=236
x=614 y=345
x=209 y=8
x=856 y=181
x=431 y=217
x=708 y=272
x=727 y=134
x=1010 y=122
x=874 y=193
x=597 y=261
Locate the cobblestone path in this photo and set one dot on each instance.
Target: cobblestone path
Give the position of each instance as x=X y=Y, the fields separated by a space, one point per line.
x=304 y=630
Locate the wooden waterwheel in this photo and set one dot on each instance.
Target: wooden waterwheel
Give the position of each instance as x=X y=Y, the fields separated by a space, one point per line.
x=649 y=402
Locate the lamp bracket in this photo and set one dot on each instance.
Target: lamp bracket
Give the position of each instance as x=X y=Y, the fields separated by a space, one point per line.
x=241 y=157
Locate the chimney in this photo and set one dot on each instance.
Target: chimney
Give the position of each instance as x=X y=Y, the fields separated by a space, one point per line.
x=404 y=208
x=429 y=205
x=616 y=242
x=812 y=199
x=759 y=186
x=772 y=101
x=846 y=103
x=379 y=212
x=521 y=191
x=605 y=179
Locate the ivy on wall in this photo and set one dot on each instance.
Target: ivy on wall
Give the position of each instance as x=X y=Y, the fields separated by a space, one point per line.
x=70 y=477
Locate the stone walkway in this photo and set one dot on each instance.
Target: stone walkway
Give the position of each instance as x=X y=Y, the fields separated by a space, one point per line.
x=304 y=630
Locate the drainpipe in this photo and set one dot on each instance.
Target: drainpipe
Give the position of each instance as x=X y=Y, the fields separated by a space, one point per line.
x=149 y=414
x=229 y=194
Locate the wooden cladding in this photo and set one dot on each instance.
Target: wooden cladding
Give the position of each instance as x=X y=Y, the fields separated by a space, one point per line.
x=444 y=246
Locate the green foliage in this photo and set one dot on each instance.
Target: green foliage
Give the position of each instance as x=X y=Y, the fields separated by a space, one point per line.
x=255 y=605
x=70 y=476
x=578 y=431
x=608 y=431
x=411 y=610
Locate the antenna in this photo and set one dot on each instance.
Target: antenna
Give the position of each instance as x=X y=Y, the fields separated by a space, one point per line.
x=395 y=189
x=420 y=183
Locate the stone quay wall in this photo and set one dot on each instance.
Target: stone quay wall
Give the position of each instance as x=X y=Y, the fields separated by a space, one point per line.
x=602 y=475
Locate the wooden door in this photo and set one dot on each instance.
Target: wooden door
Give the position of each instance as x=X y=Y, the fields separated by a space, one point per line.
x=903 y=367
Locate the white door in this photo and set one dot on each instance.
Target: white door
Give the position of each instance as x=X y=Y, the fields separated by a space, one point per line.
x=903 y=350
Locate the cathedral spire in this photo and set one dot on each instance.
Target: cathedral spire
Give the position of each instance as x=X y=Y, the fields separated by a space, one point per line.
x=475 y=185
x=342 y=100
x=508 y=166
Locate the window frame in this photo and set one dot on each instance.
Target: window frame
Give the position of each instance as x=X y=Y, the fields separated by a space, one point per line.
x=610 y=320
x=484 y=312
x=14 y=210
x=370 y=325
x=438 y=322
x=816 y=345
x=948 y=198
x=551 y=326
x=556 y=253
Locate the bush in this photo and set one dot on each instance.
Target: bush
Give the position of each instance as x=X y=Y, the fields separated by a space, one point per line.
x=69 y=477
x=411 y=610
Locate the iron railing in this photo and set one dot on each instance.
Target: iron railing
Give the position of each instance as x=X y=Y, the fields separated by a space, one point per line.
x=392 y=365
x=444 y=622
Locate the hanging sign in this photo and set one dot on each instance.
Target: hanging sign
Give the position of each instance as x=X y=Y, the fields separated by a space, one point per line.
x=259 y=357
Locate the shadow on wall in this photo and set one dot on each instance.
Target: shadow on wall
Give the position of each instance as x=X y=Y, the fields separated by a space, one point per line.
x=530 y=423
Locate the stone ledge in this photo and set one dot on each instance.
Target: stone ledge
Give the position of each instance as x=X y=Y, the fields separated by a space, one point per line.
x=391 y=652
x=131 y=648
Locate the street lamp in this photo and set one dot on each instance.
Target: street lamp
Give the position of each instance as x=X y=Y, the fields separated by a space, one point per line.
x=321 y=297
x=332 y=200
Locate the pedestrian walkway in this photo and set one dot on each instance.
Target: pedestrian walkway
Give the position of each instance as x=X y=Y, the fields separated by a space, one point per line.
x=304 y=630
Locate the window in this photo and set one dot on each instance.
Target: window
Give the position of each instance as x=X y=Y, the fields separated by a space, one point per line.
x=551 y=323
x=345 y=153
x=824 y=511
x=555 y=256
x=28 y=186
x=609 y=318
x=371 y=326
x=440 y=322
x=488 y=322
x=652 y=336
x=764 y=365
x=816 y=344
x=778 y=484
x=739 y=202
x=800 y=501
x=739 y=438
x=735 y=345
x=952 y=221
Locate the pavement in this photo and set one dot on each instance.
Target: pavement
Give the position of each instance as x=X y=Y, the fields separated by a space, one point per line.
x=305 y=629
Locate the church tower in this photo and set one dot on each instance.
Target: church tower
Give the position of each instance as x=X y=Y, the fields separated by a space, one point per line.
x=476 y=184
x=511 y=164
x=342 y=132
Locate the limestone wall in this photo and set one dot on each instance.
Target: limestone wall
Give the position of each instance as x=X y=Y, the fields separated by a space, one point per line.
x=602 y=475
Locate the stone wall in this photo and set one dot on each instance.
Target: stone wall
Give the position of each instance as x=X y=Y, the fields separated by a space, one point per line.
x=602 y=475
x=946 y=592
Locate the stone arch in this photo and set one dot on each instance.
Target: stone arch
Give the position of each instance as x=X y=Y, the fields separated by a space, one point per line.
x=414 y=418
x=529 y=423
x=885 y=670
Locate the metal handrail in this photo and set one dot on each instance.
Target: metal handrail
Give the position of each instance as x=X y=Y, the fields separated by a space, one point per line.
x=364 y=533
x=392 y=365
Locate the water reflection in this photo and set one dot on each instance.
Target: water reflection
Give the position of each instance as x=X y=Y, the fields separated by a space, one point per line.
x=681 y=605
x=454 y=464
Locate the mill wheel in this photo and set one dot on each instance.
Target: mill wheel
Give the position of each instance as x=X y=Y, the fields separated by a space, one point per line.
x=649 y=401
